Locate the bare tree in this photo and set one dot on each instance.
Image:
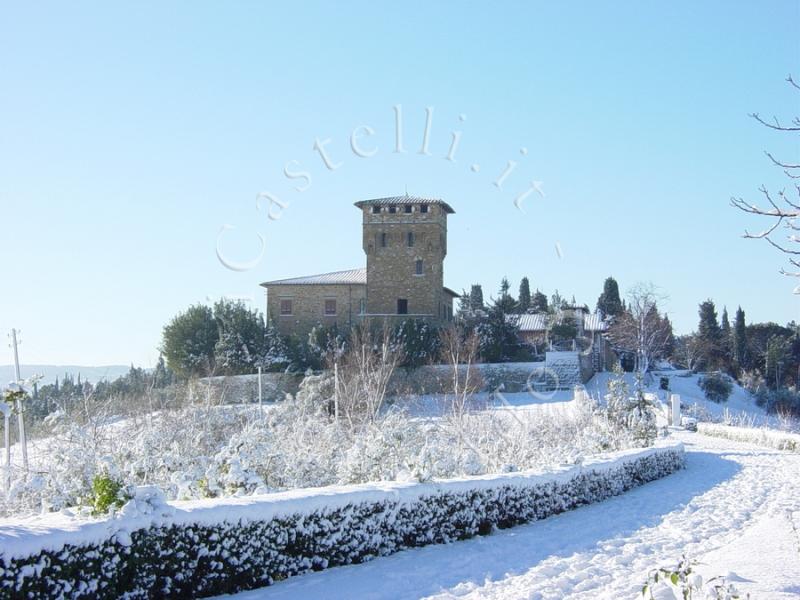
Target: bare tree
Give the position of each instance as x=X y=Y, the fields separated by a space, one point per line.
x=641 y=330
x=459 y=350
x=689 y=350
x=365 y=368
x=782 y=208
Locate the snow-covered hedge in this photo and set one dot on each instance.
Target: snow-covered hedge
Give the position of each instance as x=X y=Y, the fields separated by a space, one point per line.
x=771 y=438
x=201 y=548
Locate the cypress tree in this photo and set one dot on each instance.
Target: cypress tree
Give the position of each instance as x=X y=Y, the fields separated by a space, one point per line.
x=709 y=334
x=539 y=302
x=476 y=297
x=609 y=303
x=524 y=295
x=726 y=340
x=740 y=354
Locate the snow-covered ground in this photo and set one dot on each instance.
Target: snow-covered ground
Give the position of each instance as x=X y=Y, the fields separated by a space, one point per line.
x=735 y=509
x=740 y=404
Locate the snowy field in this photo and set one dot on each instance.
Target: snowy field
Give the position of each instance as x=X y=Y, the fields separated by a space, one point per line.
x=739 y=406
x=735 y=509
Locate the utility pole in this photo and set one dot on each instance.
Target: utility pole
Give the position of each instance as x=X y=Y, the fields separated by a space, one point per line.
x=7 y=439
x=21 y=420
x=336 y=391
x=260 y=397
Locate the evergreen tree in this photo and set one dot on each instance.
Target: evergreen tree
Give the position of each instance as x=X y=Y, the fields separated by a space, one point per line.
x=557 y=302
x=669 y=345
x=476 y=297
x=464 y=303
x=609 y=303
x=498 y=334
x=539 y=302
x=740 y=354
x=524 y=295
x=240 y=345
x=162 y=376
x=188 y=342
x=505 y=299
x=276 y=356
x=776 y=361
x=726 y=341
x=709 y=336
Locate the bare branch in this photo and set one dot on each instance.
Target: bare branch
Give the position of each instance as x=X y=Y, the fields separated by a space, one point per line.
x=779 y=163
x=777 y=124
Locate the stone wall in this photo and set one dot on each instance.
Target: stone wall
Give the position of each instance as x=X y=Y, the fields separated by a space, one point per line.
x=428 y=379
x=243 y=389
x=391 y=269
x=308 y=306
x=489 y=377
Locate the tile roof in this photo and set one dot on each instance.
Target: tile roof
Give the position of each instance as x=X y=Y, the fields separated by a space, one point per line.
x=350 y=277
x=402 y=200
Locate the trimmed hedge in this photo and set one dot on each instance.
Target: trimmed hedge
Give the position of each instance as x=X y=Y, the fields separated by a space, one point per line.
x=176 y=557
x=770 y=438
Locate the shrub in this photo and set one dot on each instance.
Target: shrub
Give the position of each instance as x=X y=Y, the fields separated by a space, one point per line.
x=717 y=387
x=165 y=552
x=682 y=581
x=107 y=492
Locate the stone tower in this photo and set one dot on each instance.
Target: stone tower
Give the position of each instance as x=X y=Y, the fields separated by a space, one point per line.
x=405 y=240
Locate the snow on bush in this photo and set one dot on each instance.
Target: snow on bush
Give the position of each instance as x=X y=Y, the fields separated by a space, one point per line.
x=207 y=547
x=763 y=436
x=207 y=450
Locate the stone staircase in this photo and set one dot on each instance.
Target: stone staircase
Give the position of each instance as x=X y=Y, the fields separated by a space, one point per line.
x=562 y=372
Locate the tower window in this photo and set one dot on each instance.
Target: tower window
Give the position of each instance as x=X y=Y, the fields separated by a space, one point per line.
x=410 y=239
x=376 y=210
x=408 y=208
x=286 y=307
x=402 y=306
x=392 y=209
x=418 y=267
x=383 y=240
x=423 y=208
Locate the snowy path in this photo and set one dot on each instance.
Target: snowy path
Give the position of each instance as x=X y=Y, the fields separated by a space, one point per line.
x=732 y=509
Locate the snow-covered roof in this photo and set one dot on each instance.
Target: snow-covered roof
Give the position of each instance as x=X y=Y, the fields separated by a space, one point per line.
x=403 y=200
x=349 y=277
x=537 y=322
x=594 y=322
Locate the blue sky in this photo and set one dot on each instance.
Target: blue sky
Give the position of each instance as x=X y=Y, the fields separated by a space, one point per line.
x=131 y=134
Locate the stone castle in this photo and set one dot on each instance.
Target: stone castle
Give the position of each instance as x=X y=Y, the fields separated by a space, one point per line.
x=405 y=240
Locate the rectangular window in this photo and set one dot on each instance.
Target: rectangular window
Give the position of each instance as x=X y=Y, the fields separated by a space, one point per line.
x=402 y=306
x=330 y=307
x=418 y=268
x=286 y=307
x=392 y=209
x=423 y=208
x=410 y=238
x=383 y=240
x=376 y=210
x=408 y=208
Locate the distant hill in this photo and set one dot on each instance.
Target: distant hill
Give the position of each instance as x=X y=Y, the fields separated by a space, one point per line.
x=50 y=372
